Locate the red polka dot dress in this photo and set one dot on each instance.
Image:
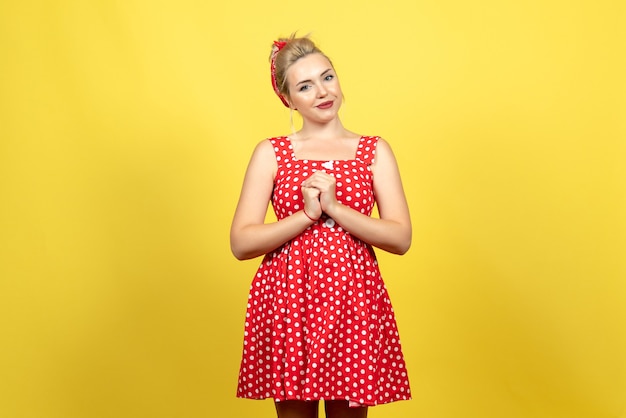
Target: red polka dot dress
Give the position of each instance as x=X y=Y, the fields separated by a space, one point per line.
x=319 y=322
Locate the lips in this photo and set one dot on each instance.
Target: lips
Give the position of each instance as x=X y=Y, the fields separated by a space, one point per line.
x=325 y=105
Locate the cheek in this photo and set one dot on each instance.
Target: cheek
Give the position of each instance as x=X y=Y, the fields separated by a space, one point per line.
x=300 y=99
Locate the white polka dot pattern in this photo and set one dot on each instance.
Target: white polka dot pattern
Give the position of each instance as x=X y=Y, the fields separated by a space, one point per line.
x=319 y=322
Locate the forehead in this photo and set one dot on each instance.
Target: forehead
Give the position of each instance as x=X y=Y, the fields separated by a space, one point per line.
x=308 y=67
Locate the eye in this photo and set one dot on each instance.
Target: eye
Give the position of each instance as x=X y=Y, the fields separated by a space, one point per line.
x=304 y=87
x=329 y=77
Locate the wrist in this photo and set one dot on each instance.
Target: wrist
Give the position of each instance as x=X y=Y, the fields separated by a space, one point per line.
x=309 y=216
x=332 y=209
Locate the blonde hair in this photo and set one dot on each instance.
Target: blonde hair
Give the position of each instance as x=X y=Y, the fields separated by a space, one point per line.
x=294 y=49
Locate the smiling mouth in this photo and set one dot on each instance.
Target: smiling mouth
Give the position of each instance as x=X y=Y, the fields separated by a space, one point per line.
x=325 y=105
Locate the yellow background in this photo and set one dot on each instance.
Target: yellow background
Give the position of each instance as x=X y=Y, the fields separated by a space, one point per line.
x=125 y=129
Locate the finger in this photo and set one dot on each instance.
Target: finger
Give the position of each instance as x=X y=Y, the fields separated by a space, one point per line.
x=311 y=191
x=320 y=182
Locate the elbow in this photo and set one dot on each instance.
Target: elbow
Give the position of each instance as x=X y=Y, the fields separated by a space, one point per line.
x=402 y=245
x=402 y=248
x=243 y=247
x=240 y=253
x=398 y=248
x=397 y=242
x=238 y=250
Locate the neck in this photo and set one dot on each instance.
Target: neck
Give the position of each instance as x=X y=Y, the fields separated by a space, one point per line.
x=332 y=129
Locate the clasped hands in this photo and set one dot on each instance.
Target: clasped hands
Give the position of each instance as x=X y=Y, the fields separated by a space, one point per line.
x=319 y=193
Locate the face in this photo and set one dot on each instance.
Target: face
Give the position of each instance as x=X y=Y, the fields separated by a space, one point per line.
x=314 y=88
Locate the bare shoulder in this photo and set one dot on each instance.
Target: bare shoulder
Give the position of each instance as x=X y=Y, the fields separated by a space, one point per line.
x=264 y=151
x=382 y=143
x=263 y=158
x=384 y=153
x=264 y=146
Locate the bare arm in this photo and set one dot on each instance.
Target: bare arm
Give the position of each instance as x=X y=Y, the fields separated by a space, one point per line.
x=249 y=236
x=392 y=232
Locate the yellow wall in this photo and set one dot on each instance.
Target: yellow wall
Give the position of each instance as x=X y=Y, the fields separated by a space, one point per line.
x=125 y=129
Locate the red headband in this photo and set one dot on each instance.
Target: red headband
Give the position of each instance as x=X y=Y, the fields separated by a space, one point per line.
x=278 y=45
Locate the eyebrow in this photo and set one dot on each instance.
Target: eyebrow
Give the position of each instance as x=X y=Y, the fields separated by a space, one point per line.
x=308 y=81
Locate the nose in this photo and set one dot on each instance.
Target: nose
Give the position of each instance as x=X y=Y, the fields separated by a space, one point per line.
x=321 y=91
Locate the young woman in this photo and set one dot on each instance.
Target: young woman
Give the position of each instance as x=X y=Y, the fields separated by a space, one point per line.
x=319 y=323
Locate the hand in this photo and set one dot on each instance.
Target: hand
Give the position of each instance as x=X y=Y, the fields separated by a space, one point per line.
x=312 y=204
x=325 y=184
